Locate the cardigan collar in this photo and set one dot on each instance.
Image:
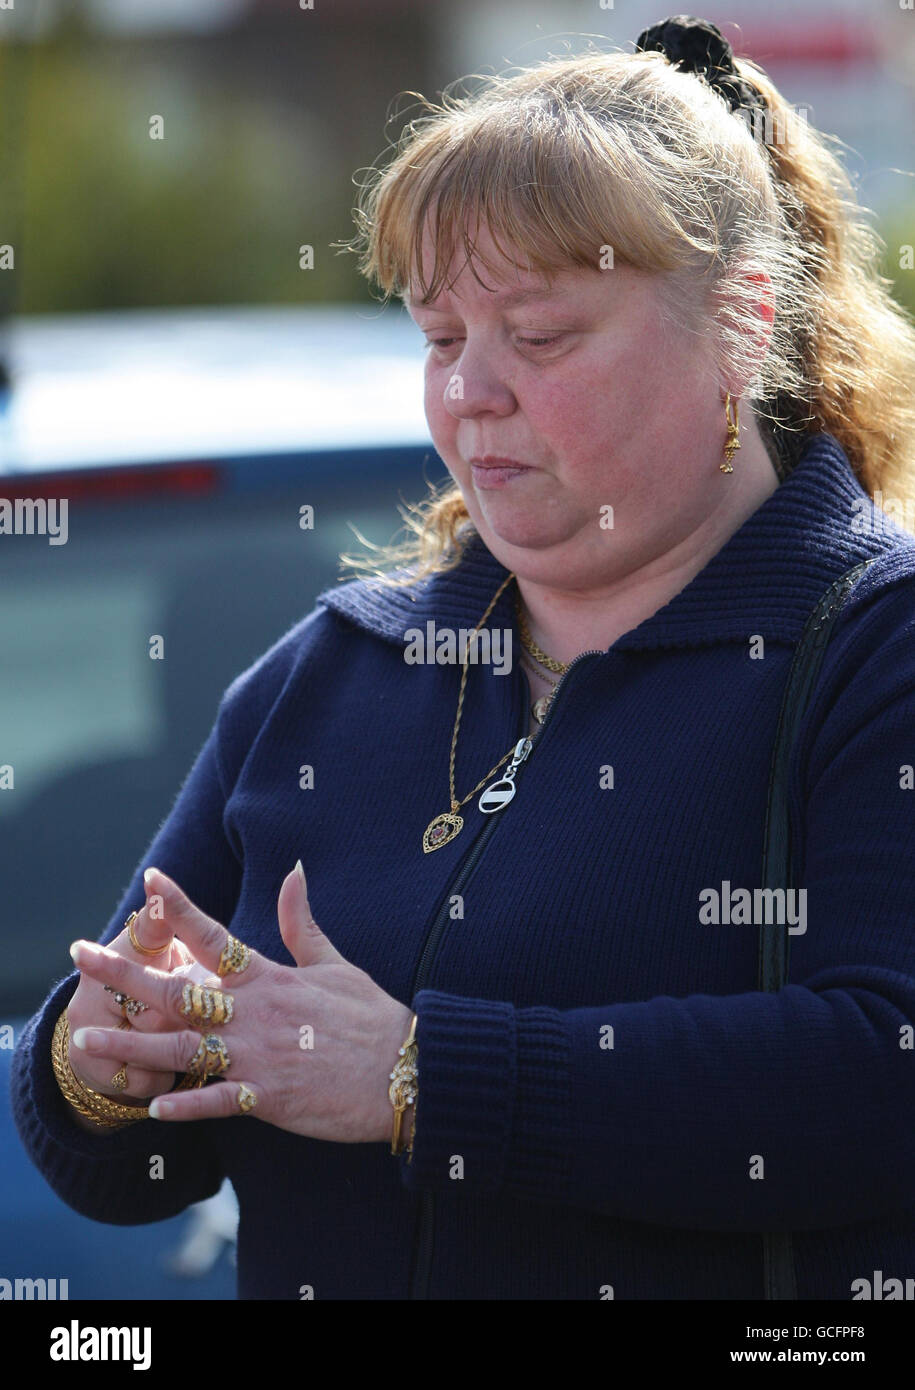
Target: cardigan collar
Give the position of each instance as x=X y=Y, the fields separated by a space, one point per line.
x=766 y=578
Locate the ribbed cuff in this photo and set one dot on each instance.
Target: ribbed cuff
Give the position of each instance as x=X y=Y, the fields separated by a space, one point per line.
x=43 y=1115
x=493 y=1094
x=467 y=1071
x=104 y=1176
x=539 y=1164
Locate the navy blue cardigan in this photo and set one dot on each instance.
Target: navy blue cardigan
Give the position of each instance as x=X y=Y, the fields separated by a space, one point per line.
x=549 y=1163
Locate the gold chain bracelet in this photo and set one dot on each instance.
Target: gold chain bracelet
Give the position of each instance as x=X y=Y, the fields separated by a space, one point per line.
x=404 y=1089
x=101 y=1109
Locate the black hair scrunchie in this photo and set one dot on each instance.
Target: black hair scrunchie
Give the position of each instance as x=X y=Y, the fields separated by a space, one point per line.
x=697 y=45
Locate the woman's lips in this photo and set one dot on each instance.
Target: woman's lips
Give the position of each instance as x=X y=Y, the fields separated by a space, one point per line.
x=491 y=472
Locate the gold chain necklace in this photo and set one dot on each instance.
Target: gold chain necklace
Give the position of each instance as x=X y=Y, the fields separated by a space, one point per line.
x=543 y=702
x=558 y=668
x=549 y=663
x=445 y=827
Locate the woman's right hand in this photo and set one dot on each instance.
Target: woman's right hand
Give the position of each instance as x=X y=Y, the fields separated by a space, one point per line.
x=92 y=1004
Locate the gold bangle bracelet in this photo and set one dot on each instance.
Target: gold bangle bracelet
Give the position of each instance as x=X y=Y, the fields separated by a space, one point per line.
x=92 y=1104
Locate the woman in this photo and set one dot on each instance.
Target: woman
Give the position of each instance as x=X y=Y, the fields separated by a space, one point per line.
x=665 y=378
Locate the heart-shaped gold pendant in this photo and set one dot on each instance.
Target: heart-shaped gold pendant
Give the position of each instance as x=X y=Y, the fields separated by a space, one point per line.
x=439 y=831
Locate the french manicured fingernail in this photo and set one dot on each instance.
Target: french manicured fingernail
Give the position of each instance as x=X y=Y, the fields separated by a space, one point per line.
x=89 y=1039
x=301 y=873
x=84 y=952
x=160 y=1109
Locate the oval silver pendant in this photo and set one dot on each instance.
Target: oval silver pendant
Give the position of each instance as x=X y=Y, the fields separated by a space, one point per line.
x=496 y=796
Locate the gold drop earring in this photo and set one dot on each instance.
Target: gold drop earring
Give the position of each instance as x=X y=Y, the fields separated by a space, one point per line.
x=732 y=443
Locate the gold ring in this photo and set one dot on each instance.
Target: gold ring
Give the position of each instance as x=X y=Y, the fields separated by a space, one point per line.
x=204 y=1006
x=235 y=957
x=246 y=1099
x=143 y=950
x=196 y=1067
x=211 y=1058
x=189 y=1082
x=223 y=1006
x=120 y=1078
x=126 y=1003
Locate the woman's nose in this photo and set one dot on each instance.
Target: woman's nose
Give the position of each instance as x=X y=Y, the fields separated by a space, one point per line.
x=476 y=385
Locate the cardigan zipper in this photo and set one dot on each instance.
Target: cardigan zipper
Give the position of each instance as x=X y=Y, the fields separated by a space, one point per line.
x=425 y=1229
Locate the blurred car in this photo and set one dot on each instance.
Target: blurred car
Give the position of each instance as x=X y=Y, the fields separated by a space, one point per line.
x=186 y=445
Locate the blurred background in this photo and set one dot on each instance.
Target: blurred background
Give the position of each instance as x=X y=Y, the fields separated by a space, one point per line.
x=170 y=366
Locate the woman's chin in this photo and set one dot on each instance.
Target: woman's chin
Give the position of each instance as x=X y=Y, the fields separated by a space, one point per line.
x=520 y=533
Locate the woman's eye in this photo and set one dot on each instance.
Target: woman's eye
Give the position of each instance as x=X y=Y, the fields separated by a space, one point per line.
x=445 y=343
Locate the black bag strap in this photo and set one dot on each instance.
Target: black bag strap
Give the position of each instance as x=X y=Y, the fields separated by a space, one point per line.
x=778 y=868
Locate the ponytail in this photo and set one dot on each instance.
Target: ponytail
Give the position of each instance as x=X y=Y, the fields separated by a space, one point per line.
x=859 y=358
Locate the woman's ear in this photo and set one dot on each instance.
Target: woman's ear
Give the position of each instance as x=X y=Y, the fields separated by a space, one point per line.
x=748 y=308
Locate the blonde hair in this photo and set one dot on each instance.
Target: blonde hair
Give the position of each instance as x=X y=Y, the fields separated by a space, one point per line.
x=576 y=155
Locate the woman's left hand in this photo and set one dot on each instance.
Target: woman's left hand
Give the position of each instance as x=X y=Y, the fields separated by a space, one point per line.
x=315 y=1042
